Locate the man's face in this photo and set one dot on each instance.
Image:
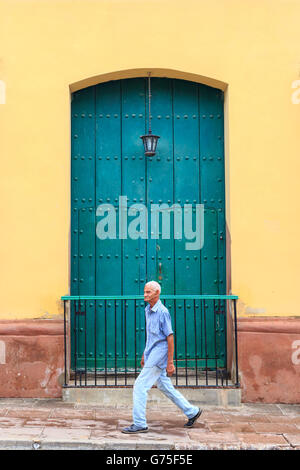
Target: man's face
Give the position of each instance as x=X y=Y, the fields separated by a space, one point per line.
x=149 y=293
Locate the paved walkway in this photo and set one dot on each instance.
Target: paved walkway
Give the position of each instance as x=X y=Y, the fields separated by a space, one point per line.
x=53 y=424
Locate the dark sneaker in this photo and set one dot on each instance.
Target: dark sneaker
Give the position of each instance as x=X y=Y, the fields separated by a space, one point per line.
x=133 y=429
x=192 y=421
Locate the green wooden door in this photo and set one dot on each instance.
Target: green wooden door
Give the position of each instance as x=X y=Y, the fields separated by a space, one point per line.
x=188 y=169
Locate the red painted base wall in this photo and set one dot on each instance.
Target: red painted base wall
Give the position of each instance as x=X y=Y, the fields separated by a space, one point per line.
x=31 y=358
x=269 y=359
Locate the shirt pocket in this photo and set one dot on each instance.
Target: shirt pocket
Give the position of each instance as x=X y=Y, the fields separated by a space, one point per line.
x=154 y=326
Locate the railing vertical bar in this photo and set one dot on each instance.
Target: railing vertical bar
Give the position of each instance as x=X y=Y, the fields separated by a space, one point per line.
x=105 y=335
x=145 y=328
x=225 y=337
x=175 y=326
x=95 y=312
x=220 y=312
x=201 y=329
x=196 y=349
x=75 y=340
x=135 y=338
x=125 y=342
x=185 y=342
x=205 y=337
x=236 y=346
x=215 y=338
x=116 y=378
x=223 y=308
x=85 y=348
x=65 y=343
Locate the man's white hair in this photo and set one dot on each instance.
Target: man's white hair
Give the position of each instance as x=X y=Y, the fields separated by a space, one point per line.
x=154 y=285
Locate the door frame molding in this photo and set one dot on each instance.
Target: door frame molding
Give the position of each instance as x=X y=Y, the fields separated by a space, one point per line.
x=143 y=72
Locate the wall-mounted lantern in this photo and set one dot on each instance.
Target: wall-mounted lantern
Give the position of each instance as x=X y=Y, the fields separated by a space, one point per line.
x=150 y=140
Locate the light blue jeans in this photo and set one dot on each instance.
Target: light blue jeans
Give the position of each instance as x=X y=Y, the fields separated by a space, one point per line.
x=143 y=383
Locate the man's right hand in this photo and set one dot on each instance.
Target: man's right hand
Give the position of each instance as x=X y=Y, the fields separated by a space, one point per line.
x=142 y=361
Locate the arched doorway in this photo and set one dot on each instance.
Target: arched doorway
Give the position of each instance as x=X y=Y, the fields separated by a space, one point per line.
x=108 y=162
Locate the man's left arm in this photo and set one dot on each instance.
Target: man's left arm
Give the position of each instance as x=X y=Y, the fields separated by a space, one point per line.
x=166 y=328
x=170 y=364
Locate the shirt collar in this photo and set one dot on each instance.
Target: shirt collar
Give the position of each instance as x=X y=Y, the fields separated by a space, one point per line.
x=155 y=306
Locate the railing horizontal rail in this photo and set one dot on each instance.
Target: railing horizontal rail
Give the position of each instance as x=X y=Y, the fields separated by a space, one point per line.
x=104 y=338
x=132 y=297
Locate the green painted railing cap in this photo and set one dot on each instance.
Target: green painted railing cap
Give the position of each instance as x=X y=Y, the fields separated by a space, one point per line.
x=141 y=297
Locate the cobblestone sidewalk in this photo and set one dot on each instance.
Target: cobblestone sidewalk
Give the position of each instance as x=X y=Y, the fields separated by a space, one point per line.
x=53 y=424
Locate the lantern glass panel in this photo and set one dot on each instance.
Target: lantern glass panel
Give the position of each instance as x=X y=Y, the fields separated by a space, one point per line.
x=150 y=143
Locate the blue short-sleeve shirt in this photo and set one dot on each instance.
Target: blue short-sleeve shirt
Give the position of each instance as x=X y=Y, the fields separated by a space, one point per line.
x=158 y=327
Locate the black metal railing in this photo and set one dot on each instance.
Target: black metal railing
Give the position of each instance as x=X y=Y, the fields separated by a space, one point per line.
x=104 y=339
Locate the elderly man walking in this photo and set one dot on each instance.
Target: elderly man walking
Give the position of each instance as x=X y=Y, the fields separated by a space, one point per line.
x=157 y=363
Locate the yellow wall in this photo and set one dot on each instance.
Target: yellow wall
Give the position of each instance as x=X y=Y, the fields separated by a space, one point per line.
x=252 y=46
